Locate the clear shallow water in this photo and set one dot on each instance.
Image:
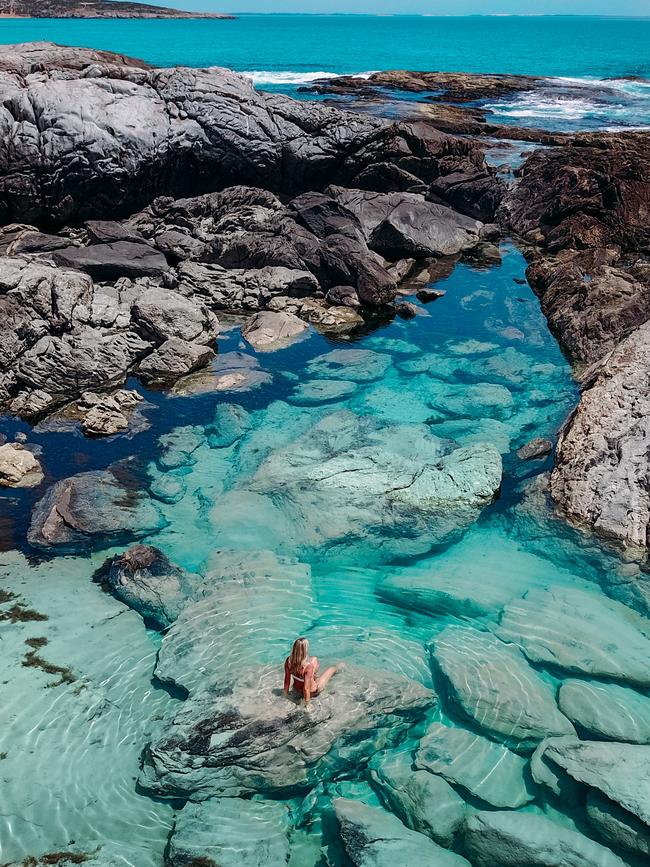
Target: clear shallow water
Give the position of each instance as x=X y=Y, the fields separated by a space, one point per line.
x=282 y=52
x=478 y=366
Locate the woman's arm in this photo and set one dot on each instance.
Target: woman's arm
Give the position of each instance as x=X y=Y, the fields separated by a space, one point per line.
x=309 y=683
x=287 y=677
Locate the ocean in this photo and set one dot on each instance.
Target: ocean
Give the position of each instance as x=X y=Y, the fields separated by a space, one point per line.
x=478 y=365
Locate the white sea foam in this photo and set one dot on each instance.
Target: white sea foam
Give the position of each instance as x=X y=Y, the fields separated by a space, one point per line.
x=262 y=76
x=543 y=107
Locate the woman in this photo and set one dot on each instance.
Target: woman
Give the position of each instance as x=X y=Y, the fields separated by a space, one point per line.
x=304 y=671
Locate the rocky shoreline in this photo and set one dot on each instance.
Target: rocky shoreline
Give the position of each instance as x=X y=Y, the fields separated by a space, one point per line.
x=85 y=9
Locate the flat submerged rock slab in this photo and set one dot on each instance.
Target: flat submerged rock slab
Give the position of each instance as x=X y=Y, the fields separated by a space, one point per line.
x=247 y=737
x=373 y=837
x=230 y=832
x=606 y=710
x=487 y=770
x=516 y=839
x=357 y=365
x=493 y=684
x=578 y=631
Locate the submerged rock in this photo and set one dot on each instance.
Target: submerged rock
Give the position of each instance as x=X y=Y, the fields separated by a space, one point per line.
x=357 y=365
x=145 y=580
x=514 y=839
x=317 y=391
x=485 y=769
x=91 y=510
x=606 y=710
x=534 y=450
x=374 y=838
x=246 y=736
x=617 y=826
x=424 y=802
x=494 y=685
x=230 y=832
x=579 y=631
x=230 y=424
x=19 y=467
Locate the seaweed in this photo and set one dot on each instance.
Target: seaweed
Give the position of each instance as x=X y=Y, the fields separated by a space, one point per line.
x=20 y=614
x=6 y=596
x=33 y=660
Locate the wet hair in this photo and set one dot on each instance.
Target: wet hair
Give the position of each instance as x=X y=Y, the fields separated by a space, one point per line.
x=299 y=654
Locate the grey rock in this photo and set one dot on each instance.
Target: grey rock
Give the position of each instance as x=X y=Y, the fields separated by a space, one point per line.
x=535 y=450
x=485 y=769
x=326 y=319
x=19 y=467
x=514 y=839
x=162 y=314
x=356 y=365
x=403 y=225
x=145 y=580
x=106 y=415
x=374 y=838
x=269 y=331
x=607 y=710
x=601 y=468
x=230 y=832
x=178 y=446
x=246 y=737
x=424 y=802
x=579 y=631
x=229 y=372
x=493 y=684
x=318 y=391
x=114 y=260
x=108 y=232
x=91 y=510
x=344 y=296
x=172 y=360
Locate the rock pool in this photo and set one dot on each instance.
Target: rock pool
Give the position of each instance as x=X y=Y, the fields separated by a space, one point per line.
x=366 y=493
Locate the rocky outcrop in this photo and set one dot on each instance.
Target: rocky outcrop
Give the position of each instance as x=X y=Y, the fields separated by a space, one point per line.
x=95 y=9
x=374 y=838
x=600 y=478
x=247 y=737
x=269 y=331
x=90 y=510
x=194 y=130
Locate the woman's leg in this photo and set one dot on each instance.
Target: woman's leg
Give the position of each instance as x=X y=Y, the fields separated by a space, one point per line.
x=326 y=676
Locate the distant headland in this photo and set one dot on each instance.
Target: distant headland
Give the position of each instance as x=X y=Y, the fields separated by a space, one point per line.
x=94 y=9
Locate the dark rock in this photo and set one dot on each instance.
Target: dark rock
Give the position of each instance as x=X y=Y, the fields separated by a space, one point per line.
x=345 y=296
x=427 y=294
x=37 y=242
x=91 y=510
x=114 y=260
x=535 y=450
x=145 y=580
x=109 y=232
x=406 y=310
x=161 y=314
x=324 y=216
x=95 y=9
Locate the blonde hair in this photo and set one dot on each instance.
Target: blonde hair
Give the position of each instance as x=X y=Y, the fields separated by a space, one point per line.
x=299 y=654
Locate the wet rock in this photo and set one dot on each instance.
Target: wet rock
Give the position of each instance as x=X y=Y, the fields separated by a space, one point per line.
x=230 y=423
x=162 y=314
x=424 y=802
x=91 y=510
x=230 y=832
x=231 y=371
x=168 y=487
x=111 y=261
x=145 y=580
x=513 y=839
x=19 y=467
x=494 y=685
x=406 y=310
x=403 y=225
x=579 y=631
x=357 y=365
x=177 y=447
x=487 y=770
x=615 y=778
x=269 y=331
x=606 y=710
x=246 y=737
x=428 y=294
x=374 y=838
x=616 y=826
x=534 y=450
x=172 y=360
x=600 y=475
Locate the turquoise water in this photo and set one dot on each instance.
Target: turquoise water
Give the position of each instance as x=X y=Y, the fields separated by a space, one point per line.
x=476 y=369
